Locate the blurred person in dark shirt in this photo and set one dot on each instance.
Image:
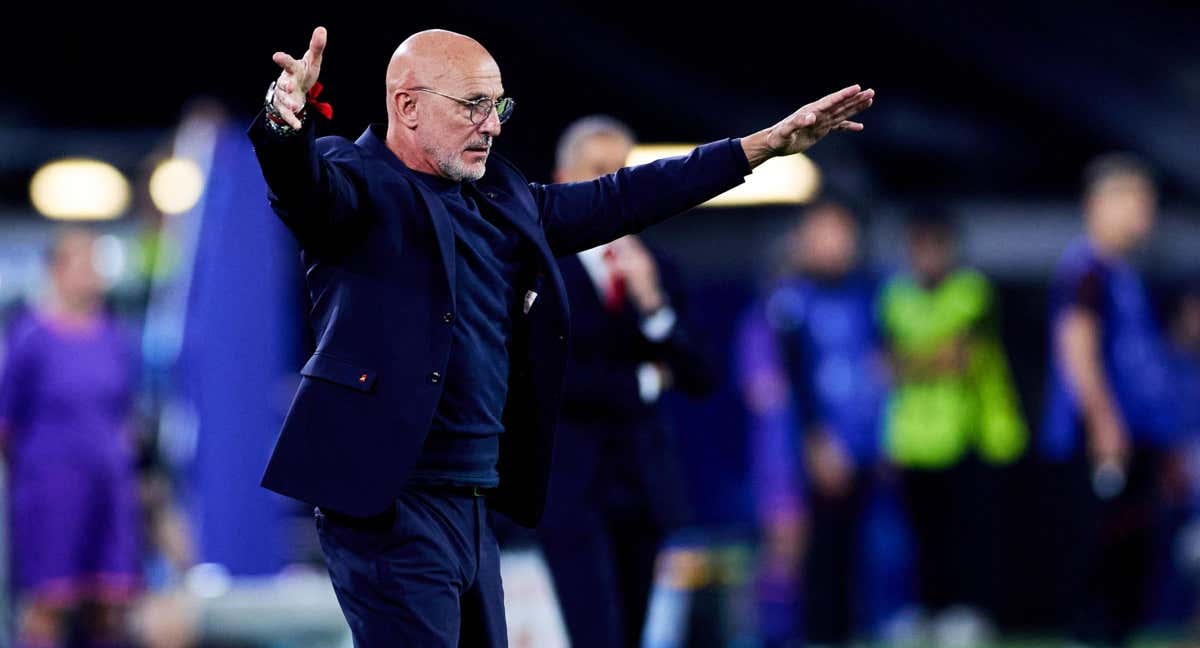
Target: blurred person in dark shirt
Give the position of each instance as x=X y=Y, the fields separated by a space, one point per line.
x=953 y=412
x=1109 y=416
x=615 y=489
x=66 y=397
x=823 y=319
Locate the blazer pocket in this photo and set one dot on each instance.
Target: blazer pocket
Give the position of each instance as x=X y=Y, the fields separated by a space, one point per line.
x=327 y=367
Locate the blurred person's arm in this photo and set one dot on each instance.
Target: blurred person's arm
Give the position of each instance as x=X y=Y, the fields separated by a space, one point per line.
x=773 y=454
x=660 y=298
x=1078 y=336
x=310 y=192
x=827 y=463
x=1003 y=434
x=16 y=375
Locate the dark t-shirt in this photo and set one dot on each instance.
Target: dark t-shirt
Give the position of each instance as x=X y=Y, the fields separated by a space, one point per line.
x=464 y=440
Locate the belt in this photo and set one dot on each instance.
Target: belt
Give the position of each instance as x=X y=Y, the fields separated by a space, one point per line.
x=441 y=487
x=452 y=489
x=384 y=520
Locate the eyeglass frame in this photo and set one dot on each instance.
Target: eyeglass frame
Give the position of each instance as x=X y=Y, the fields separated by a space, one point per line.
x=475 y=104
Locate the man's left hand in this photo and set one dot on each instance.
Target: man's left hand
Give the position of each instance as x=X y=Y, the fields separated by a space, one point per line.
x=809 y=124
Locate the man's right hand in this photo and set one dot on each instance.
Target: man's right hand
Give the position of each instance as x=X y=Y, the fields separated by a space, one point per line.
x=297 y=78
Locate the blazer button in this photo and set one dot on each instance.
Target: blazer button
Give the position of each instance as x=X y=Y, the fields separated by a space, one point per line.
x=435 y=377
x=448 y=317
x=490 y=194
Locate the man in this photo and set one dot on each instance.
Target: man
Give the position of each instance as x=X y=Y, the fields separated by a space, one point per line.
x=441 y=324
x=614 y=487
x=953 y=403
x=823 y=318
x=1109 y=411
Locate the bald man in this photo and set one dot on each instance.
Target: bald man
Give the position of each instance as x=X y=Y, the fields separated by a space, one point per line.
x=441 y=322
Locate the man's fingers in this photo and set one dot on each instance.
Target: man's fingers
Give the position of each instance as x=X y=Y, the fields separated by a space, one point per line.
x=316 y=48
x=850 y=106
x=852 y=126
x=851 y=109
x=285 y=61
x=289 y=117
x=830 y=100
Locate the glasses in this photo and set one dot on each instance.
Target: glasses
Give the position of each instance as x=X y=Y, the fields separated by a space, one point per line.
x=481 y=109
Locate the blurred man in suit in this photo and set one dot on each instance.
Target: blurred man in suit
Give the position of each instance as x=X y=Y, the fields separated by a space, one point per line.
x=615 y=491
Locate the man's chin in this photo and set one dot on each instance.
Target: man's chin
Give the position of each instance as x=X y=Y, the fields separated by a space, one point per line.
x=474 y=169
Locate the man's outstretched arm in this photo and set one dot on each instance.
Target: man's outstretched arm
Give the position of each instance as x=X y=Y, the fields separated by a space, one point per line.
x=578 y=216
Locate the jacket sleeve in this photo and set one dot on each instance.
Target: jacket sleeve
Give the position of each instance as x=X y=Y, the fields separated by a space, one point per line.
x=311 y=184
x=580 y=215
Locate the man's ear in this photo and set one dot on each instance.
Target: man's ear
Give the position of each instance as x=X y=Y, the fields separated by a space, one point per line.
x=404 y=104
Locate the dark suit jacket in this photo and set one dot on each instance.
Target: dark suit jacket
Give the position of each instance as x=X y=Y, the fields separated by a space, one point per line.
x=612 y=450
x=378 y=252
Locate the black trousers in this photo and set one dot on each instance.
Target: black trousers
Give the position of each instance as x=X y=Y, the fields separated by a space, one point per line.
x=950 y=514
x=1108 y=553
x=424 y=574
x=827 y=601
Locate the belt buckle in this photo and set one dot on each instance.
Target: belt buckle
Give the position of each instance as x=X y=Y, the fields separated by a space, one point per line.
x=476 y=491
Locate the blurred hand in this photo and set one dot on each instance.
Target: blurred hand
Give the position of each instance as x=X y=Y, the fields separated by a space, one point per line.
x=783 y=544
x=809 y=124
x=1108 y=441
x=637 y=265
x=298 y=77
x=828 y=464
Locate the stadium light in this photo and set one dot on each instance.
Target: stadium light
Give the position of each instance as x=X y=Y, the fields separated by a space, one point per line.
x=790 y=180
x=79 y=189
x=176 y=185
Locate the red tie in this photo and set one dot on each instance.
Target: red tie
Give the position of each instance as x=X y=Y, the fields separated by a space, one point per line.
x=614 y=296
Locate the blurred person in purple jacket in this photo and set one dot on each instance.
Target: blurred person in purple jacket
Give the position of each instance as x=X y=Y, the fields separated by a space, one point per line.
x=818 y=414
x=66 y=397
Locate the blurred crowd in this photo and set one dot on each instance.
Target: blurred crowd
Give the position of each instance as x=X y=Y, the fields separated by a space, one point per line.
x=883 y=421
x=866 y=387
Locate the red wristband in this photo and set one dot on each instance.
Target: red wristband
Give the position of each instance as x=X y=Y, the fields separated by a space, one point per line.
x=322 y=107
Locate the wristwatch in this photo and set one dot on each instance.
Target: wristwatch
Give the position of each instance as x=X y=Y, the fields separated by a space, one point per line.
x=275 y=118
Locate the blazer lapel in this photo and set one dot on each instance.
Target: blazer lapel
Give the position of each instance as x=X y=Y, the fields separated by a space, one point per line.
x=445 y=233
x=372 y=141
x=533 y=234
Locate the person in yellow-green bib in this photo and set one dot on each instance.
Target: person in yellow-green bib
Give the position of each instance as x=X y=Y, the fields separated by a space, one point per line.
x=953 y=409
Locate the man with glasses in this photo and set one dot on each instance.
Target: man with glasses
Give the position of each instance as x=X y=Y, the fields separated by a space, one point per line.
x=441 y=322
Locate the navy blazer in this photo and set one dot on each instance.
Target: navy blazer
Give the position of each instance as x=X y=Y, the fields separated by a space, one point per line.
x=379 y=260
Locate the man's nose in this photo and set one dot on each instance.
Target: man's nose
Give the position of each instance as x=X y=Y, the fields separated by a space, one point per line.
x=491 y=125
